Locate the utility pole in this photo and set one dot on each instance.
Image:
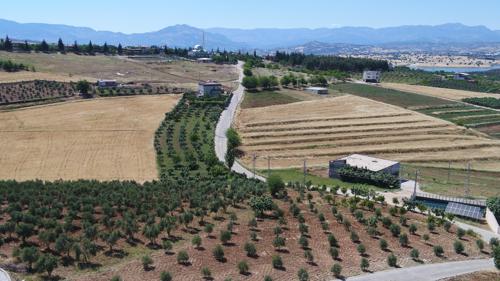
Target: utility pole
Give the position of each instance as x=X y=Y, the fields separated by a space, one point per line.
x=467 y=181
x=417 y=172
x=254 y=157
x=268 y=166
x=449 y=171
x=305 y=172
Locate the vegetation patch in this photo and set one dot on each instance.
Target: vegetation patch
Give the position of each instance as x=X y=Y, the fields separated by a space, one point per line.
x=487 y=102
x=357 y=175
x=266 y=98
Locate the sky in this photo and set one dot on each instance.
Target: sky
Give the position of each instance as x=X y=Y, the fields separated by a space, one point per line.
x=150 y=15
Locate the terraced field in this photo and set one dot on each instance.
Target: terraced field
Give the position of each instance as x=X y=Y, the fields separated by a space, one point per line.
x=483 y=120
x=323 y=130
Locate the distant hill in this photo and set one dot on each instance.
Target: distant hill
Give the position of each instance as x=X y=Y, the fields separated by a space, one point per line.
x=178 y=35
x=263 y=38
x=446 y=33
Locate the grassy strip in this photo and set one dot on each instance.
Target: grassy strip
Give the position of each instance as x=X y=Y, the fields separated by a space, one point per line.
x=394 y=97
x=266 y=98
x=296 y=175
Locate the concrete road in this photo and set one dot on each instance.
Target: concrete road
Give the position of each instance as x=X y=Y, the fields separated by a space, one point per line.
x=4 y=276
x=429 y=272
x=225 y=121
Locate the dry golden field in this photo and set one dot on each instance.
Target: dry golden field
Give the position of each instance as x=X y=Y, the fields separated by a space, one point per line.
x=451 y=94
x=71 y=67
x=326 y=129
x=102 y=139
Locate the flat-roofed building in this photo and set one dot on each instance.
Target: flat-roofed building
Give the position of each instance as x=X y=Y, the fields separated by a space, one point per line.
x=106 y=83
x=317 y=90
x=209 y=88
x=364 y=162
x=371 y=76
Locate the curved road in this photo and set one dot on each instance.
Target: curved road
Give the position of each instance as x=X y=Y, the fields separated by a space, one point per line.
x=429 y=272
x=225 y=122
x=4 y=276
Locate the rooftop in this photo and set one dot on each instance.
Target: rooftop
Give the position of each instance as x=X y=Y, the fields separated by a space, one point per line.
x=317 y=89
x=367 y=162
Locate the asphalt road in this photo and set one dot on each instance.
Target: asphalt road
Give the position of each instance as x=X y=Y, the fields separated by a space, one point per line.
x=429 y=272
x=4 y=276
x=225 y=121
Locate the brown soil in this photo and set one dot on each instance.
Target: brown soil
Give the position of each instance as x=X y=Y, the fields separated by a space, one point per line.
x=104 y=139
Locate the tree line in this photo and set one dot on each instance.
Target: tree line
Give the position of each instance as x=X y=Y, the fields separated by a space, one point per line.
x=328 y=63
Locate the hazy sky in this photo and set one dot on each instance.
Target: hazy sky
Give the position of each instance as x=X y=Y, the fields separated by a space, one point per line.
x=149 y=15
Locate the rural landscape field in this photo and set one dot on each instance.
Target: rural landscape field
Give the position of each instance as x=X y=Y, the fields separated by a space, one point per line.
x=349 y=152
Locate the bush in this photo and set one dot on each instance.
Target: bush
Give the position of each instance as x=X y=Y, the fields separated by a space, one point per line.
x=414 y=254
x=365 y=176
x=334 y=252
x=480 y=244
x=147 y=261
x=218 y=253
x=309 y=256
x=354 y=237
x=277 y=262
x=458 y=247
x=303 y=242
x=383 y=244
x=225 y=236
x=167 y=246
x=182 y=258
x=403 y=240
x=250 y=249
x=447 y=226
x=494 y=242
x=268 y=278
x=332 y=240
x=496 y=256
x=361 y=249
x=196 y=241
x=206 y=273
x=243 y=267
x=303 y=275
x=336 y=270
x=460 y=233
x=426 y=237
x=392 y=260
x=165 y=276
x=364 y=264
x=413 y=228
x=275 y=184
x=279 y=242
x=438 y=250
x=116 y=278
x=395 y=230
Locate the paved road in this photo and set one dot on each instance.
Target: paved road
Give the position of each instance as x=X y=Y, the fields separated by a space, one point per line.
x=429 y=272
x=225 y=121
x=4 y=276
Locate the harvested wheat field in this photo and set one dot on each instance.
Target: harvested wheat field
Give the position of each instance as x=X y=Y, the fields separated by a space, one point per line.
x=103 y=139
x=323 y=130
x=451 y=94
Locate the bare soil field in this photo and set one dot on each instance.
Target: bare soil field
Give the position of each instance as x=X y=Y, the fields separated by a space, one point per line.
x=71 y=67
x=292 y=254
x=319 y=131
x=104 y=139
x=451 y=94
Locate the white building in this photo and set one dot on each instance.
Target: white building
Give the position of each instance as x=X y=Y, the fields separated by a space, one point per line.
x=317 y=90
x=461 y=76
x=209 y=88
x=364 y=162
x=106 y=83
x=372 y=76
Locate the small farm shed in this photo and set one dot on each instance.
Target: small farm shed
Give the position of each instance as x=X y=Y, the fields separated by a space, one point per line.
x=107 y=83
x=364 y=162
x=371 y=76
x=209 y=88
x=317 y=90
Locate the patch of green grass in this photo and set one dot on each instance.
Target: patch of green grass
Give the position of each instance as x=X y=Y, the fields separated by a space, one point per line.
x=435 y=180
x=296 y=175
x=266 y=98
x=394 y=97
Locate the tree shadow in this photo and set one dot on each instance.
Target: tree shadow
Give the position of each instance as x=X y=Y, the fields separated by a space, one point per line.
x=284 y=251
x=153 y=246
x=89 y=265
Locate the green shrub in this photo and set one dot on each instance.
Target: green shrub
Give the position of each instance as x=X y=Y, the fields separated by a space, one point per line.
x=243 y=267
x=218 y=253
x=277 y=262
x=303 y=275
x=392 y=260
x=438 y=250
x=165 y=276
x=336 y=270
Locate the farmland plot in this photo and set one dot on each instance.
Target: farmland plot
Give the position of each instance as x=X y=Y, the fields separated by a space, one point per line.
x=319 y=131
x=102 y=139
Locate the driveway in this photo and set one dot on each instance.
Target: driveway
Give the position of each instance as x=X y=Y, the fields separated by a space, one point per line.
x=225 y=121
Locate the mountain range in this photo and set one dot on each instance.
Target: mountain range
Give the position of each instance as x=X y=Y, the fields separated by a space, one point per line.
x=262 y=38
